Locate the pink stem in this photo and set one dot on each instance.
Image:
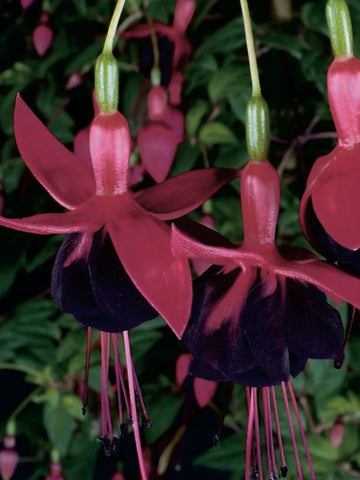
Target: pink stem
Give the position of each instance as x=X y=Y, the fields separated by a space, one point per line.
x=87 y=368
x=133 y=410
x=292 y=432
x=258 y=440
x=106 y=425
x=249 y=434
x=302 y=431
x=278 y=429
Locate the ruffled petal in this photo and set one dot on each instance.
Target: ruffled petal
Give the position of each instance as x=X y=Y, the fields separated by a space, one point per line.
x=313 y=329
x=85 y=218
x=263 y=326
x=215 y=334
x=68 y=180
x=143 y=245
x=180 y=195
x=336 y=193
x=115 y=293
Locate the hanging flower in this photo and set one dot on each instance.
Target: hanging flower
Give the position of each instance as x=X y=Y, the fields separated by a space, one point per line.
x=43 y=35
x=260 y=311
x=9 y=458
x=156 y=141
x=175 y=49
x=101 y=206
x=327 y=210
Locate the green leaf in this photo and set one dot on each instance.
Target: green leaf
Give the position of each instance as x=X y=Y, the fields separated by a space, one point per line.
x=185 y=159
x=163 y=409
x=215 y=133
x=194 y=116
x=226 y=39
x=228 y=455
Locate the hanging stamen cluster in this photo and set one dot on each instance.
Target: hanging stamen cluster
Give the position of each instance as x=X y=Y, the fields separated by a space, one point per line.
x=272 y=430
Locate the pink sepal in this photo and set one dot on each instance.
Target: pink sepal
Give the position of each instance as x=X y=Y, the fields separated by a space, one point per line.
x=204 y=391
x=182 y=368
x=42 y=39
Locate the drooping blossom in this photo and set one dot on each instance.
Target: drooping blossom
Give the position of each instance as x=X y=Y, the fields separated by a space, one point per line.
x=9 y=458
x=43 y=35
x=328 y=215
x=26 y=3
x=204 y=390
x=261 y=311
x=115 y=268
x=156 y=141
x=55 y=471
x=175 y=49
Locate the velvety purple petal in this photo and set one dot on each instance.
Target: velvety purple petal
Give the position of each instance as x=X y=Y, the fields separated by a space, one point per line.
x=68 y=180
x=70 y=281
x=205 y=371
x=215 y=333
x=313 y=328
x=263 y=326
x=143 y=244
x=114 y=291
x=180 y=195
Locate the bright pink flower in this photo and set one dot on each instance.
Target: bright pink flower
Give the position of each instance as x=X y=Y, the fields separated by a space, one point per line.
x=156 y=142
x=26 y=3
x=9 y=458
x=327 y=213
x=42 y=39
x=98 y=198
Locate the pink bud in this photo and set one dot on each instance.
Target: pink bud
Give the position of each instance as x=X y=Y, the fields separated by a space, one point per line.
x=156 y=103
x=204 y=391
x=74 y=80
x=42 y=39
x=182 y=368
x=118 y=476
x=26 y=3
x=337 y=433
x=184 y=12
x=8 y=463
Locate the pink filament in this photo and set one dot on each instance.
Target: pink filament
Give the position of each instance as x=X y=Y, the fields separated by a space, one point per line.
x=249 y=433
x=292 y=432
x=302 y=431
x=120 y=384
x=87 y=368
x=268 y=432
x=106 y=425
x=258 y=441
x=133 y=410
x=277 y=423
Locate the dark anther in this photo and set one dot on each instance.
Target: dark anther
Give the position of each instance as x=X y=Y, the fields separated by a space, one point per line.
x=124 y=429
x=216 y=440
x=146 y=423
x=338 y=362
x=84 y=409
x=106 y=445
x=255 y=474
x=283 y=470
x=115 y=446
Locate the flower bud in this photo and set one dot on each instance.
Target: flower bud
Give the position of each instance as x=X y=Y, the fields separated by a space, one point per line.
x=340 y=30
x=42 y=39
x=9 y=458
x=257 y=129
x=107 y=82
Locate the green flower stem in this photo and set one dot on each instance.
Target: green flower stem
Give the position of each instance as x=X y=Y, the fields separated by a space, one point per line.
x=109 y=41
x=256 y=90
x=24 y=403
x=340 y=29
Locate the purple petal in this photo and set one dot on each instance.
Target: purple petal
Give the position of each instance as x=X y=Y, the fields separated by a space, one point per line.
x=143 y=245
x=68 y=180
x=113 y=290
x=180 y=195
x=313 y=329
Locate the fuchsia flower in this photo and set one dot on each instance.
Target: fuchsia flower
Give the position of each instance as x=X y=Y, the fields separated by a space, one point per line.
x=42 y=38
x=156 y=141
x=9 y=458
x=328 y=212
x=174 y=44
x=260 y=311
